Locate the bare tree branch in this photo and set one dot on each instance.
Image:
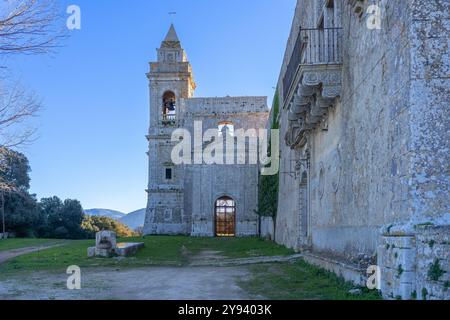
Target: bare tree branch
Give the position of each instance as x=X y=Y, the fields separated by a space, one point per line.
x=17 y=107
x=26 y=27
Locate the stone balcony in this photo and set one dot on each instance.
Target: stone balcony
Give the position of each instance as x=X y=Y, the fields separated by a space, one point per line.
x=312 y=81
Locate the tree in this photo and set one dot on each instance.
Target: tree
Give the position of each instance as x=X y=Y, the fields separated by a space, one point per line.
x=14 y=186
x=61 y=219
x=29 y=26
x=14 y=170
x=17 y=107
x=22 y=214
x=26 y=27
x=49 y=210
x=73 y=214
x=93 y=224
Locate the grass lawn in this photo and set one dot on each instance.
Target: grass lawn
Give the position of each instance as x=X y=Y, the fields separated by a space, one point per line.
x=10 y=244
x=301 y=281
x=159 y=250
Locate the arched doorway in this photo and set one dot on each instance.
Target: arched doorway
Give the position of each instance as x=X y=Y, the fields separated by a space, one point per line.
x=225 y=217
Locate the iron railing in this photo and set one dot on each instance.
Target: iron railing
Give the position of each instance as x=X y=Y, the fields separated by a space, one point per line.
x=313 y=47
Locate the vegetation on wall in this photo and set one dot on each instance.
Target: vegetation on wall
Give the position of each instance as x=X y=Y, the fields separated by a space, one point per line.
x=268 y=185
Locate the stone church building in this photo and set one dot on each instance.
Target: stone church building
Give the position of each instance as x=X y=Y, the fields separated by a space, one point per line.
x=364 y=115
x=197 y=199
x=364 y=94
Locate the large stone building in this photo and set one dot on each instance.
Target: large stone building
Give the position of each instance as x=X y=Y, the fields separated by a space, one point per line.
x=365 y=141
x=196 y=198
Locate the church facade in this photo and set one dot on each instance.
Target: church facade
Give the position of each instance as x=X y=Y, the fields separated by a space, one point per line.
x=195 y=197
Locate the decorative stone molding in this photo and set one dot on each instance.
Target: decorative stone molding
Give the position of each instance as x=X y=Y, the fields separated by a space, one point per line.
x=317 y=90
x=305 y=113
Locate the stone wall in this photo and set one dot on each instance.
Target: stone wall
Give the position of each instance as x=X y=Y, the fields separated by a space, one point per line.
x=433 y=263
x=429 y=100
x=416 y=266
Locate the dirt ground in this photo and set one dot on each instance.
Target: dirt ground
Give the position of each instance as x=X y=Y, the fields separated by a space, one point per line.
x=155 y=283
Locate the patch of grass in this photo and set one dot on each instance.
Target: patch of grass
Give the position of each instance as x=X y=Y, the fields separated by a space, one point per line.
x=236 y=247
x=158 y=250
x=18 y=243
x=301 y=281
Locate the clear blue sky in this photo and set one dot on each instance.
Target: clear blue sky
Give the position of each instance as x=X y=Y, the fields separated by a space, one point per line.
x=91 y=144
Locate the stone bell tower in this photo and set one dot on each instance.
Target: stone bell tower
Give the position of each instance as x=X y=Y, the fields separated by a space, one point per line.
x=170 y=82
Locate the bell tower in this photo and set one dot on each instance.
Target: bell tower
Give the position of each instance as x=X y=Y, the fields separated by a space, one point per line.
x=170 y=82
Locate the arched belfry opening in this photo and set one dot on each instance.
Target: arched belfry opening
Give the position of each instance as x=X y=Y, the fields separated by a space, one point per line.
x=225 y=217
x=169 y=106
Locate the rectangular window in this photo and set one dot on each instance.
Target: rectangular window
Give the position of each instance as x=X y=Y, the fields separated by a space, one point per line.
x=168 y=174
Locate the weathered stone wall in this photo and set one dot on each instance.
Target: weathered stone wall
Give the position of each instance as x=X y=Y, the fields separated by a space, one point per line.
x=286 y=227
x=359 y=164
x=418 y=266
x=378 y=163
x=433 y=263
x=429 y=100
x=427 y=119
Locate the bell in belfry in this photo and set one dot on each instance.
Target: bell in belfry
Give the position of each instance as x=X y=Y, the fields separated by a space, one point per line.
x=171 y=106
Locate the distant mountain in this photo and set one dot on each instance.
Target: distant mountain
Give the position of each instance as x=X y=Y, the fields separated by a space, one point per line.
x=117 y=215
x=134 y=219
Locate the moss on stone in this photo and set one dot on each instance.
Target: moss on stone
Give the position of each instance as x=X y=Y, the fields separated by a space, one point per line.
x=435 y=271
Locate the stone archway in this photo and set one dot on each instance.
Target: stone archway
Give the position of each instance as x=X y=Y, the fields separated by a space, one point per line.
x=225 y=217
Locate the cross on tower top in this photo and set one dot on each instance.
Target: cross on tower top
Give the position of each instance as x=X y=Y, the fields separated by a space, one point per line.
x=172 y=14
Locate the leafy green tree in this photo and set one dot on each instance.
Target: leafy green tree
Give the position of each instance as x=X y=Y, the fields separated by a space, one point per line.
x=62 y=220
x=21 y=214
x=50 y=212
x=19 y=207
x=14 y=170
x=72 y=216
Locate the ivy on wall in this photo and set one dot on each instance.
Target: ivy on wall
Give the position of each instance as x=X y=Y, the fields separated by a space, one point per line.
x=268 y=185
